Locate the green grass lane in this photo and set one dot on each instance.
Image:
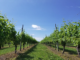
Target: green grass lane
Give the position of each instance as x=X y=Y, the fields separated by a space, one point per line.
x=9 y=49
x=38 y=52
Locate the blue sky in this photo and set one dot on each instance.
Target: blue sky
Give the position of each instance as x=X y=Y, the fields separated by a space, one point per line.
x=40 y=16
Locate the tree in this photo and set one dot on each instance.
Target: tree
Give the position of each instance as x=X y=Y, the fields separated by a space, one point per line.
x=14 y=37
x=24 y=40
x=76 y=35
x=3 y=30
x=63 y=36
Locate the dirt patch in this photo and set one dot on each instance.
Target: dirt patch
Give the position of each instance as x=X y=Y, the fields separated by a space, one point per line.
x=10 y=55
x=65 y=56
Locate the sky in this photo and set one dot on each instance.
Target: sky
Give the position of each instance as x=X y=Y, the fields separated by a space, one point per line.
x=40 y=16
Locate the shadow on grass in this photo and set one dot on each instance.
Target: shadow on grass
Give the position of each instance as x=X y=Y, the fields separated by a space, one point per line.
x=49 y=45
x=70 y=51
x=40 y=58
x=71 y=46
x=25 y=56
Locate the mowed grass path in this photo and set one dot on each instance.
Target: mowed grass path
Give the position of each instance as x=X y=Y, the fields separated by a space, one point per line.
x=38 y=52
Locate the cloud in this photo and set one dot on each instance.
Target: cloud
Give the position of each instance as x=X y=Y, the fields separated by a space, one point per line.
x=38 y=38
x=36 y=27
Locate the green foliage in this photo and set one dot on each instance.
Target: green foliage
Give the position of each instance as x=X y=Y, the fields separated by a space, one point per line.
x=3 y=30
x=9 y=34
x=69 y=33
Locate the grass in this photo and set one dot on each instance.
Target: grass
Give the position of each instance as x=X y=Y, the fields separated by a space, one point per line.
x=8 y=49
x=38 y=52
x=68 y=49
x=6 y=45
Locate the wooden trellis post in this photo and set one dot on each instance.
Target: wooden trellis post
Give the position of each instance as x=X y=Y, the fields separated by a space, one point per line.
x=57 y=41
x=20 y=41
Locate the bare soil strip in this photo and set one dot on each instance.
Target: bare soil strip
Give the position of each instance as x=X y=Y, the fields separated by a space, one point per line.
x=65 y=56
x=12 y=54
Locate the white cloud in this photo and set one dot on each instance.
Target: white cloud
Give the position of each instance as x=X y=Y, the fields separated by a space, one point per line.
x=38 y=38
x=36 y=27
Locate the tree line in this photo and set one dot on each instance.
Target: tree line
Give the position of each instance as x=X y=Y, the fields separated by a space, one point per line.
x=68 y=33
x=8 y=35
